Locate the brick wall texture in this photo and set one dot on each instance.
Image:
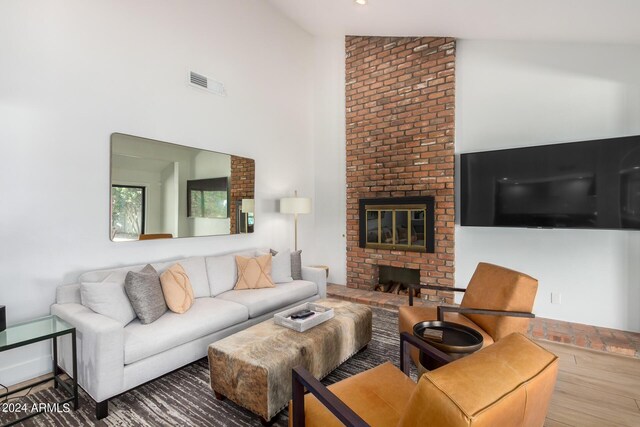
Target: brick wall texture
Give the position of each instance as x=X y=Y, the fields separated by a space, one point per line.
x=243 y=172
x=400 y=142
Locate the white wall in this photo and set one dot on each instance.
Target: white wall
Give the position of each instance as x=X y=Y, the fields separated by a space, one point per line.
x=329 y=153
x=512 y=94
x=73 y=72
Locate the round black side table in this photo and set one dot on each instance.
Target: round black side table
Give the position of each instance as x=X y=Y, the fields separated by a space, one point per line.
x=457 y=340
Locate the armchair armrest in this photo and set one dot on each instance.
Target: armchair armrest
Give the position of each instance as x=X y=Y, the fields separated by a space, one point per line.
x=464 y=310
x=407 y=339
x=413 y=286
x=301 y=378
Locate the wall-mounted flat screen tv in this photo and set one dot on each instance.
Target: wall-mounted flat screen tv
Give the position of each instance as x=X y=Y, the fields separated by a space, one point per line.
x=590 y=184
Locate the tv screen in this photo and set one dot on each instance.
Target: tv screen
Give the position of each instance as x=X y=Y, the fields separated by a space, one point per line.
x=591 y=184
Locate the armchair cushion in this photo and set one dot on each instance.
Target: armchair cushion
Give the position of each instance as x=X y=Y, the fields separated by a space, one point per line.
x=497 y=288
x=379 y=395
x=509 y=383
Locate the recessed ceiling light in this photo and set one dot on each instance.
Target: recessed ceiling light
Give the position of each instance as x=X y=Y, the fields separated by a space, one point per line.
x=360 y=2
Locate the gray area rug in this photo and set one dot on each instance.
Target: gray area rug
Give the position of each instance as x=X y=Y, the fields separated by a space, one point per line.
x=184 y=398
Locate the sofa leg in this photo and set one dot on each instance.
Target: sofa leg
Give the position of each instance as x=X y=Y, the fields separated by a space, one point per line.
x=102 y=409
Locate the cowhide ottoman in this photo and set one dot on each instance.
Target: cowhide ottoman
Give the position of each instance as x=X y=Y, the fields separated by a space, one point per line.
x=253 y=367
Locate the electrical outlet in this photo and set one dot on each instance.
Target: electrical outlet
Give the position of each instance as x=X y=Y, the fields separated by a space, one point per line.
x=556 y=298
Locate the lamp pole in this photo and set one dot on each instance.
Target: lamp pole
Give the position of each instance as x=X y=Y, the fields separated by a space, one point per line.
x=295 y=220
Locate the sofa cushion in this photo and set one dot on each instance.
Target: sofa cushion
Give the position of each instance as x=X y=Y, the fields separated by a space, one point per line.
x=280 y=265
x=108 y=299
x=194 y=267
x=261 y=301
x=222 y=271
x=206 y=316
x=111 y=275
x=254 y=273
x=145 y=293
x=196 y=270
x=177 y=289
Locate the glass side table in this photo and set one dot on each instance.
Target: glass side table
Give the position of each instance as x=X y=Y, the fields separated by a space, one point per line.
x=44 y=328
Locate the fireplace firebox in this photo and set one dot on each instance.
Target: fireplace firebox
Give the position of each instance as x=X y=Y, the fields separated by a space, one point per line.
x=396 y=280
x=398 y=223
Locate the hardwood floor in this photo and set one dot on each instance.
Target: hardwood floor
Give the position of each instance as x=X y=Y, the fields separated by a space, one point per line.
x=594 y=388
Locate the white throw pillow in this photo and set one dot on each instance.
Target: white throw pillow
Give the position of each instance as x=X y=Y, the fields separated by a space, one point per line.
x=108 y=299
x=280 y=266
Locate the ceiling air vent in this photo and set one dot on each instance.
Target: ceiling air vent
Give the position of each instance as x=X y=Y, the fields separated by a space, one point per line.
x=204 y=82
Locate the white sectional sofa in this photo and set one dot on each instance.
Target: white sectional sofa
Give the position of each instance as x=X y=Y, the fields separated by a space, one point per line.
x=113 y=358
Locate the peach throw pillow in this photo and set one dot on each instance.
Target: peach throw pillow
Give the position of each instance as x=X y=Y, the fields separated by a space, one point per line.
x=254 y=273
x=177 y=290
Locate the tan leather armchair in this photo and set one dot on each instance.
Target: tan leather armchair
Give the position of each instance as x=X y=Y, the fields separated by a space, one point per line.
x=506 y=384
x=497 y=302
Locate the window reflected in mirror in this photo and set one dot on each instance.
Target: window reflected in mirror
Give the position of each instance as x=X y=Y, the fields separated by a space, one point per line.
x=127 y=212
x=208 y=198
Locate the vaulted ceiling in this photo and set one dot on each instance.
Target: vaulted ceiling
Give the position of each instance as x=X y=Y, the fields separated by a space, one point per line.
x=605 y=21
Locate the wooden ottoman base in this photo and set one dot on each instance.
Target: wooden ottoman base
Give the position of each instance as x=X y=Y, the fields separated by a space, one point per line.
x=253 y=367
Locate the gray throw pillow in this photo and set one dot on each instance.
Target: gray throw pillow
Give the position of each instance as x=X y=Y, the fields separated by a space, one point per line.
x=145 y=293
x=296 y=265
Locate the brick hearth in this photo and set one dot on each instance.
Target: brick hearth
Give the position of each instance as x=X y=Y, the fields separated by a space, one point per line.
x=400 y=134
x=602 y=339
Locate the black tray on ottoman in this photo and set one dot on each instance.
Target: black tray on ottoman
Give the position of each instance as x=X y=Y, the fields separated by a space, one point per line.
x=457 y=340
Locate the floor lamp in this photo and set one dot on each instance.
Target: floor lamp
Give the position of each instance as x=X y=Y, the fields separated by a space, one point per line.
x=296 y=206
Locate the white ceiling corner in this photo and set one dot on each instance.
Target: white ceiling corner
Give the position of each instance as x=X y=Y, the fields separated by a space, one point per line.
x=601 y=21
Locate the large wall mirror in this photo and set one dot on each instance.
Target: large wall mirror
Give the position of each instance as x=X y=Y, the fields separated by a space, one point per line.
x=164 y=190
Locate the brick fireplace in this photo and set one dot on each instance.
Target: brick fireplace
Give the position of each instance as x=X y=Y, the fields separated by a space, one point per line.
x=400 y=143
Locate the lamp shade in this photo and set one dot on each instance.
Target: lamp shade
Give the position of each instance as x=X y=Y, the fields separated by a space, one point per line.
x=248 y=205
x=295 y=205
